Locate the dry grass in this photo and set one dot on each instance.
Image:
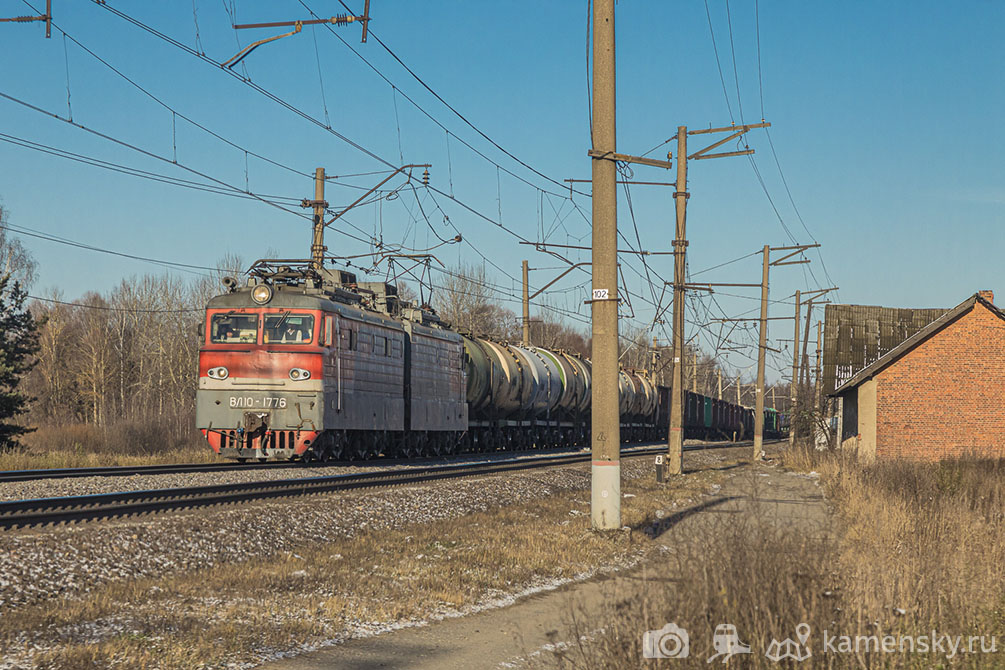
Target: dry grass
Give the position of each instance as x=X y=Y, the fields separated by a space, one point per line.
x=238 y=612
x=86 y=445
x=917 y=548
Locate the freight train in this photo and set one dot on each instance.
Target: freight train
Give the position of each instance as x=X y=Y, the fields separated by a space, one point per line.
x=309 y=363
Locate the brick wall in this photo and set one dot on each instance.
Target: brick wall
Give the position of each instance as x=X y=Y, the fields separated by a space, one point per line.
x=946 y=397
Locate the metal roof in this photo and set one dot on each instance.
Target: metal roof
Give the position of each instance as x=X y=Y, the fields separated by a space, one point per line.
x=935 y=326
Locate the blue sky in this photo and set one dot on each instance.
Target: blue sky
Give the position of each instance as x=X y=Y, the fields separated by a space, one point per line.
x=885 y=124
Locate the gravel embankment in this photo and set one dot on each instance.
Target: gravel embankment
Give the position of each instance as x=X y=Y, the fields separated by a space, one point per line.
x=63 y=561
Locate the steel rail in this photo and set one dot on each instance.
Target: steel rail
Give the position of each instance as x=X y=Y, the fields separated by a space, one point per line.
x=42 y=511
x=69 y=509
x=182 y=468
x=130 y=470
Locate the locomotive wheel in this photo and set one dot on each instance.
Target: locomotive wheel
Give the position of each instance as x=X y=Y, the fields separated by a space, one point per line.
x=421 y=445
x=338 y=444
x=373 y=444
x=357 y=446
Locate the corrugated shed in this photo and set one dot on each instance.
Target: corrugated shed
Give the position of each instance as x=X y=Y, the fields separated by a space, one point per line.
x=857 y=335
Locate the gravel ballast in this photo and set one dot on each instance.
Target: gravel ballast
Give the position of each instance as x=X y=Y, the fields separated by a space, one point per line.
x=65 y=561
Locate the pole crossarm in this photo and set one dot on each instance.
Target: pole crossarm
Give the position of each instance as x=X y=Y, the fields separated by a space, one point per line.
x=624 y=181
x=743 y=127
x=737 y=131
x=710 y=285
x=744 y=152
x=818 y=293
x=47 y=17
x=548 y=285
x=625 y=158
x=338 y=20
x=752 y=318
x=367 y=194
x=540 y=246
x=793 y=251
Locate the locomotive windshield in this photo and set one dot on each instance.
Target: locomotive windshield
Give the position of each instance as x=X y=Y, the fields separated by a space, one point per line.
x=288 y=328
x=234 y=328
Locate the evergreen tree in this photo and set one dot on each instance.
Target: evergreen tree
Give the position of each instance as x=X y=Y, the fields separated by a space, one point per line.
x=18 y=344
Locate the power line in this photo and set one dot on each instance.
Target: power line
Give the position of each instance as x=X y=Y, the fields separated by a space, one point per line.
x=438 y=97
x=185 y=267
x=136 y=172
x=117 y=309
x=172 y=109
x=308 y=117
x=718 y=63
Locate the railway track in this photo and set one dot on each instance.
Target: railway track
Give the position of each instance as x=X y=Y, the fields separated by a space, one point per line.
x=182 y=468
x=130 y=470
x=70 y=509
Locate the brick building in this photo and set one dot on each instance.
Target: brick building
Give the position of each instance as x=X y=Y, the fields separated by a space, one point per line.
x=938 y=394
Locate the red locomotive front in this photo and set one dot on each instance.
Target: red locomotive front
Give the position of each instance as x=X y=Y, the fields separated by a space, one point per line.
x=261 y=378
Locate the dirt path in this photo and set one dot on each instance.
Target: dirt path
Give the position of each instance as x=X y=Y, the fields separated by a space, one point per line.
x=511 y=636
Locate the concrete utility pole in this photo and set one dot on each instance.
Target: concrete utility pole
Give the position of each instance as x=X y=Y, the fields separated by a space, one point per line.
x=762 y=342
x=738 y=390
x=675 y=438
x=763 y=347
x=804 y=372
x=694 y=372
x=719 y=381
x=817 y=380
x=318 y=241
x=794 y=385
x=605 y=435
x=796 y=371
x=526 y=304
x=654 y=357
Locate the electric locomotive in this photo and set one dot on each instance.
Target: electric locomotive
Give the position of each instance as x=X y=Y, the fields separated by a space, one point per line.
x=306 y=362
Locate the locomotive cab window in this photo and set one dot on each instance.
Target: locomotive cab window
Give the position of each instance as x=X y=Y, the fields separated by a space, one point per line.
x=233 y=328
x=288 y=328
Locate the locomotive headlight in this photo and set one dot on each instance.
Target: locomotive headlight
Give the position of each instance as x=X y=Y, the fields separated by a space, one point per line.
x=298 y=374
x=218 y=373
x=261 y=294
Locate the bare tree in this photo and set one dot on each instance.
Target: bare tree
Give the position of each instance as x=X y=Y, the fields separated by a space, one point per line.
x=15 y=260
x=466 y=300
